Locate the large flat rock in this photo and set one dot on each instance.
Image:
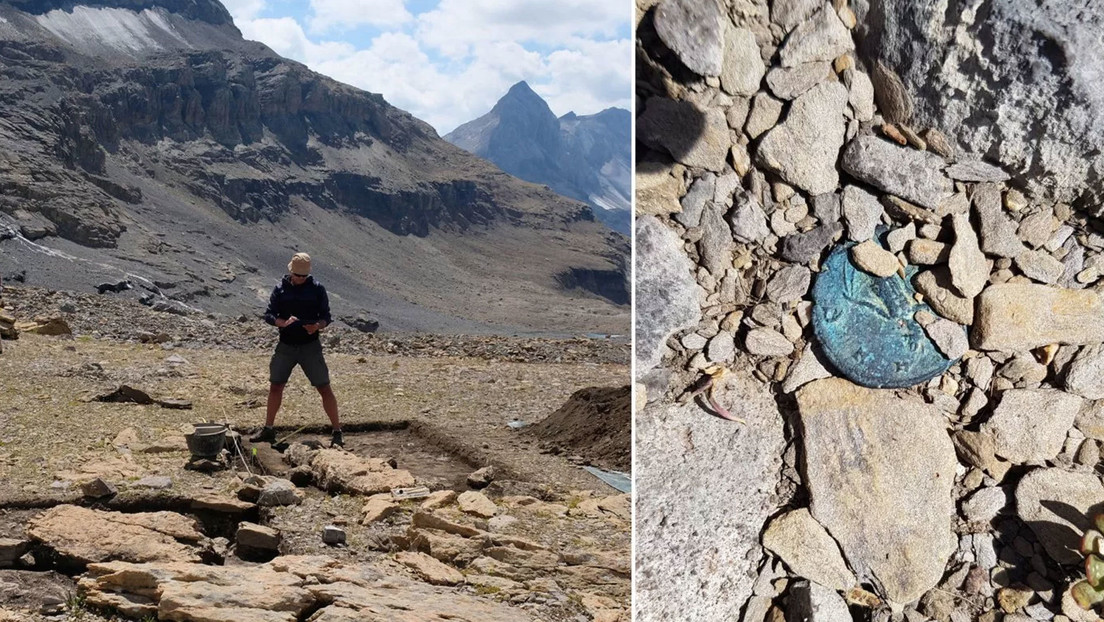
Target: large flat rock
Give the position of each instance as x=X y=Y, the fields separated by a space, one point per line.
x=85 y=535
x=666 y=292
x=1022 y=316
x=880 y=471
x=703 y=489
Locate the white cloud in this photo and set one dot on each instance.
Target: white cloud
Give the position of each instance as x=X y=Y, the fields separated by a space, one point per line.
x=244 y=9
x=346 y=14
x=286 y=37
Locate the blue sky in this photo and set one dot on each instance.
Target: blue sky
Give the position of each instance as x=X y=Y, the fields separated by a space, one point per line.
x=449 y=61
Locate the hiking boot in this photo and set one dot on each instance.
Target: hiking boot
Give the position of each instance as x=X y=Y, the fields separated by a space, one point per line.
x=267 y=435
x=336 y=440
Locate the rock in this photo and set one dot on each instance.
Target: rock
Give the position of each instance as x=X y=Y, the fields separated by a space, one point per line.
x=98 y=489
x=333 y=535
x=11 y=550
x=88 y=536
x=1021 y=316
x=1040 y=266
x=377 y=508
x=1031 y=424
x=765 y=111
x=767 y=342
x=861 y=95
x=336 y=470
x=861 y=212
x=429 y=569
x=1086 y=373
x=1037 y=229
x=52 y=327
x=694 y=137
x=748 y=222
x=789 y=83
x=903 y=210
x=976 y=170
x=666 y=292
x=677 y=487
x=808 y=368
x=826 y=207
x=695 y=32
x=916 y=176
x=278 y=492
x=807 y=247
x=301 y=476
x=803 y=150
x=949 y=337
x=822 y=37
x=969 y=270
x=362 y=322
x=716 y=243
x=807 y=549
x=815 y=603
x=693 y=204
x=172 y=307
x=693 y=342
x=254 y=536
x=790 y=13
x=657 y=189
x=1054 y=137
x=935 y=286
x=985 y=504
x=482 y=478
x=722 y=348
x=1056 y=505
x=219 y=503
x=743 y=68
x=872 y=258
x=998 y=231
x=869 y=454
x=923 y=252
x=789 y=284
x=476 y=503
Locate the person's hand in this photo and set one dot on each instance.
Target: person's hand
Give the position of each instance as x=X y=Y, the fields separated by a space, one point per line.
x=285 y=323
x=311 y=328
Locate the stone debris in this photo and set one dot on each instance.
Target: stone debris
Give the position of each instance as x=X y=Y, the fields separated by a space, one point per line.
x=1019 y=316
x=874 y=259
x=789 y=83
x=807 y=549
x=767 y=342
x=1030 y=425
x=976 y=170
x=695 y=32
x=743 y=67
x=969 y=271
x=822 y=37
x=804 y=148
x=915 y=176
x=861 y=212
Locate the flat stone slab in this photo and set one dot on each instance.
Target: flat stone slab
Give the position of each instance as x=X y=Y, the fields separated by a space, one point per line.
x=87 y=535
x=868 y=456
x=1056 y=505
x=916 y=176
x=1023 y=316
x=866 y=327
x=666 y=292
x=703 y=492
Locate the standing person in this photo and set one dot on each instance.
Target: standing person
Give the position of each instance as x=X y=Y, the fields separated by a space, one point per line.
x=300 y=308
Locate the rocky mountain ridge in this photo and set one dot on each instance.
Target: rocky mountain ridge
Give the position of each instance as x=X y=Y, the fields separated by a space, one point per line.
x=581 y=157
x=154 y=129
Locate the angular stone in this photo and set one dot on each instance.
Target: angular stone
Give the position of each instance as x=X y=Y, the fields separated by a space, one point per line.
x=985 y=504
x=767 y=342
x=279 y=492
x=333 y=535
x=257 y=536
x=743 y=66
x=789 y=284
x=969 y=270
x=861 y=212
x=695 y=32
x=1022 y=316
x=1040 y=266
x=789 y=83
x=935 y=286
x=476 y=503
x=916 y=176
x=807 y=247
x=741 y=466
x=998 y=231
x=807 y=549
x=949 y=337
x=923 y=252
x=748 y=221
x=872 y=258
x=716 y=243
x=869 y=454
x=822 y=37
x=976 y=170
x=92 y=535
x=803 y=150
x=692 y=136
x=722 y=348
x=439 y=499
x=98 y=488
x=657 y=189
x=814 y=602
x=377 y=508
x=903 y=210
x=1031 y=424
x=808 y=368
x=342 y=471
x=765 y=111
x=861 y=95
x=790 y=13
x=693 y=204
x=1037 y=229
x=481 y=478
x=1085 y=376
x=826 y=207
x=1056 y=505
x=666 y=292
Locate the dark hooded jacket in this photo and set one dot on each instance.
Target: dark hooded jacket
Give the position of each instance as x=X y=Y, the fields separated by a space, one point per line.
x=308 y=302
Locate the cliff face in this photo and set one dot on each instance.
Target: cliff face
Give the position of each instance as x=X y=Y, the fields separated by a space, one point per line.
x=581 y=157
x=113 y=110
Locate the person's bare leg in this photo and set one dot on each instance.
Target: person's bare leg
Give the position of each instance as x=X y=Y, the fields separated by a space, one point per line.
x=329 y=404
x=275 y=399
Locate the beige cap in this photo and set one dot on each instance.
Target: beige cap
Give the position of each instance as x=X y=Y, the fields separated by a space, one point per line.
x=300 y=264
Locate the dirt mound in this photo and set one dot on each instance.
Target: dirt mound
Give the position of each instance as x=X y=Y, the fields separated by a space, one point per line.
x=595 y=423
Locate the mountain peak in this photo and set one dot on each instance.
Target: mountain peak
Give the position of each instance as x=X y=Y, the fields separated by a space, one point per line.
x=210 y=11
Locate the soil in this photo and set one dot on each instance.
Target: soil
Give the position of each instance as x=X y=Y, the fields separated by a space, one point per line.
x=595 y=424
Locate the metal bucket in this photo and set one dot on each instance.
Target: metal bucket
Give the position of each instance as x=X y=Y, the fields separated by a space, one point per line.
x=207 y=440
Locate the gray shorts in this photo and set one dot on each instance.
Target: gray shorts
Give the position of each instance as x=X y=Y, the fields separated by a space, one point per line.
x=308 y=356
